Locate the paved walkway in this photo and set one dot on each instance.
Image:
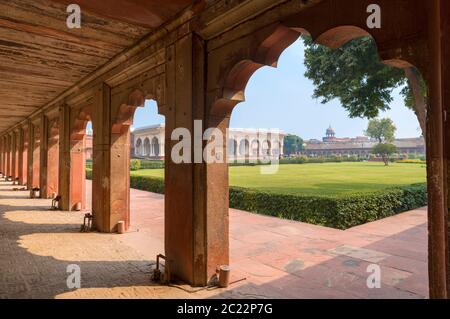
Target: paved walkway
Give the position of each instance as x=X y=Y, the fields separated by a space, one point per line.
x=278 y=258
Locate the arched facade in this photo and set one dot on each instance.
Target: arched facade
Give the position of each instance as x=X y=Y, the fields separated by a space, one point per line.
x=139 y=149
x=154 y=148
x=147 y=150
x=153 y=137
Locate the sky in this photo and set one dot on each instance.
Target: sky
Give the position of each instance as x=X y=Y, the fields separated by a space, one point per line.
x=281 y=98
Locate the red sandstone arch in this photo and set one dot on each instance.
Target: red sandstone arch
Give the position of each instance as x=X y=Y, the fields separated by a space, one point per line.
x=51 y=187
x=78 y=125
x=125 y=111
x=242 y=57
x=117 y=159
x=267 y=52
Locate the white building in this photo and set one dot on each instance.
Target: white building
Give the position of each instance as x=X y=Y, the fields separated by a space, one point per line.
x=148 y=142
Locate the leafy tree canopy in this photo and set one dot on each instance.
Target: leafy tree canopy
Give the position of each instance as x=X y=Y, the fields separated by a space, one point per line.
x=383 y=130
x=354 y=75
x=384 y=150
x=292 y=144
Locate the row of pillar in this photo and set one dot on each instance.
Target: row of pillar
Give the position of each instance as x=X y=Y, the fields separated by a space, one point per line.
x=29 y=156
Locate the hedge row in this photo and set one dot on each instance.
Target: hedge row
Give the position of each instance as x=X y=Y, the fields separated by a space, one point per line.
x=145 y=183
x=321 y=159
x=412 y=161
x=340 y=212
x=151 y=164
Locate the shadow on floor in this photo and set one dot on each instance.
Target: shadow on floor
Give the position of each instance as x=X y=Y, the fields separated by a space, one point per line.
x=37 y=246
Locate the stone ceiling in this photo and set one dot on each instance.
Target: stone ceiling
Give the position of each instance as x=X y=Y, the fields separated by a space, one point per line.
x=40 y=57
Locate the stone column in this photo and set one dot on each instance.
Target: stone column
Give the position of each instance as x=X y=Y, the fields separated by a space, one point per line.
x=50 y=187
x=8 y=156
x=196 y=216
x=13 y=155
x=20 y=156
x=23 y=156
x=30 y=155
x=111 y=166
x=64 y=157
x=77 y=165
x=5 y=155
x=437 y=149
x=36 y=155
x=445 y=72
x=1 y=154
x=43 y=156
x=17 y=146
x=2 y=167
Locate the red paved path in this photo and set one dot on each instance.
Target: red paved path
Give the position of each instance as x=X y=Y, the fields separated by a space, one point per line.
x=282 y=258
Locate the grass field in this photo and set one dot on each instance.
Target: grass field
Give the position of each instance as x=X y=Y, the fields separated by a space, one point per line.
x=321 y=179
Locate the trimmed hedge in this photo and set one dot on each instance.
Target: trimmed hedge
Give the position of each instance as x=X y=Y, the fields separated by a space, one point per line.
x=151 y=164
x=88 y=173
x=135 y=165
x=412 y=161
x=146 y=183
x=340 y=212
x=302 y=160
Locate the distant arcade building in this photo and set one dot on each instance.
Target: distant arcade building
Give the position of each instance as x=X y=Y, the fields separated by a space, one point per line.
x=148 y=142
x=359 y=145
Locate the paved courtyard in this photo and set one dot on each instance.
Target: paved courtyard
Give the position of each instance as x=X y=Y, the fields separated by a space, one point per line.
x=276 y=258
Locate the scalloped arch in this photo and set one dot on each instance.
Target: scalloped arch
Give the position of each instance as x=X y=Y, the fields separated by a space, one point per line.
x=125 y=113
x=80 y=121
x=270 y=49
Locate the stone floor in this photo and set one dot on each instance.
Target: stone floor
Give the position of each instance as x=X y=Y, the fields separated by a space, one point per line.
x=277 y=258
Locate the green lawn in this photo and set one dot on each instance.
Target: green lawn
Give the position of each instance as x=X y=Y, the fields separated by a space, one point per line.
x=321 y=179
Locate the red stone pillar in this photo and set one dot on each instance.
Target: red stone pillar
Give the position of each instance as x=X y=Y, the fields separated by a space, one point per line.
x=20 y=155
x=1 y=154
x=110 y=176
x=36 y=155
x=64 y=157
x=70 y=132
x=77 y=170
x=445 y=72
x=2 y=148
x=30 y=155
x=16 y=155
x=51 y=187
x=23 y=155
x=5 y=155
x=43 y=140
x=437 y=152
x=8 y=156
x=196 y=218
x=13 y=155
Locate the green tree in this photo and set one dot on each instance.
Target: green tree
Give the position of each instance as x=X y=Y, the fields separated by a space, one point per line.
x=354 y=74
x=292 y=144
x=383 y=130
x=385 y=150
x=135 y=165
